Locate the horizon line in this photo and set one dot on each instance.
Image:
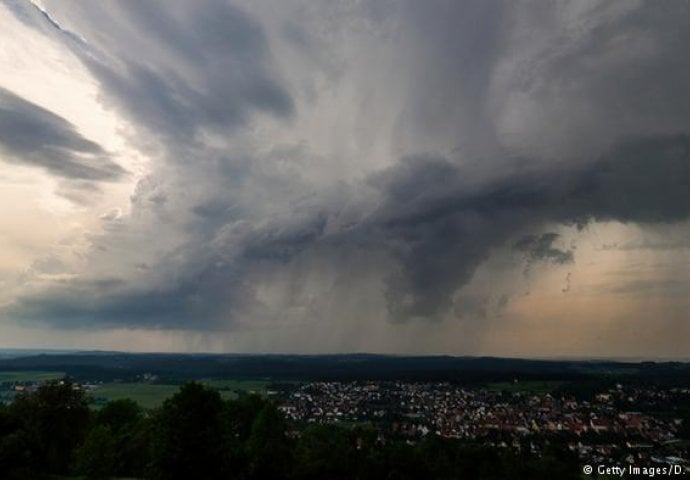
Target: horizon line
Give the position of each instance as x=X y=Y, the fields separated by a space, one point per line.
x=567 y=358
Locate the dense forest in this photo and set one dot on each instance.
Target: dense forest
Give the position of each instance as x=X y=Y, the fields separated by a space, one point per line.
x=179 y=368
x=53 y=433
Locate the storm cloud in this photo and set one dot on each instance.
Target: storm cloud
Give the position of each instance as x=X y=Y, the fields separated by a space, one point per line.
x=305 y=153
x=442 y=230
x=435 y=229
x=182 y=69
x=35 y=136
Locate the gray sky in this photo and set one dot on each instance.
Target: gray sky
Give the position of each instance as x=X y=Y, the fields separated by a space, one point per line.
x=466 y=177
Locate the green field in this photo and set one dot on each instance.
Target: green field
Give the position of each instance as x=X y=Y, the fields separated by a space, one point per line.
x=29 y=376
x=150 y=395
x=147 y=395
x=536 y=387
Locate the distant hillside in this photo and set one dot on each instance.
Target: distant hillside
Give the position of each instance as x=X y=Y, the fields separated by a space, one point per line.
x=182 y=367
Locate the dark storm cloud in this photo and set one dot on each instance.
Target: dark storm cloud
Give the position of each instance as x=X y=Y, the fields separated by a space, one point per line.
x=453 y=47
x=205 y=292
x=643 y=180
x=441 y=229
x=215 y=68
x=32 y=135
x=286 y=242
x=541 y=248
x=438 y=229
x=433 y=218
x=190 y=304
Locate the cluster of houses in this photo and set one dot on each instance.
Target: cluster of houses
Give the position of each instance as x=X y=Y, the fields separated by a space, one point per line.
x=608 y=428
x=10 y=389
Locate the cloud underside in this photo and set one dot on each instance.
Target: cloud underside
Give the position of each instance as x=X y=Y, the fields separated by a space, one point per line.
x=32 y=135
x=584 y=148
x=436 y=230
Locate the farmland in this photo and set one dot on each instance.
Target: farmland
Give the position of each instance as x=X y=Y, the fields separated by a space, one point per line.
x=151 y=395
x=148 y=395
x=28 y=376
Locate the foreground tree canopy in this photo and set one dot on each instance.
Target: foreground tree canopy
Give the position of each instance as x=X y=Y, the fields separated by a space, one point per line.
x=197 y=434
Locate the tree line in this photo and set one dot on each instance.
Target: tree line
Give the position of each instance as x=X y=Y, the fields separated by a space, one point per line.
x=195 y=434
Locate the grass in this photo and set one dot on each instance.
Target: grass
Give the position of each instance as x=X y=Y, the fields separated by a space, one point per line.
x=536 y=387
x=148 y=395
x=151 y=395
x=29 y=376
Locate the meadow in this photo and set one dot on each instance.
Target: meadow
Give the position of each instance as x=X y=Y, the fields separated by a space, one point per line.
x=29 y=376
x=148 y=395
x=151 y=395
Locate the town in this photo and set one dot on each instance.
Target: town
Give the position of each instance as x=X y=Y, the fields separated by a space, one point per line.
x=610 y=429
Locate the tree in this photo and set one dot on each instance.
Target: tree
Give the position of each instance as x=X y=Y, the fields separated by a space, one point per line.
x=120 y=415
x=188 y=439
x=54 y=420
x=15 y=456
x=268 y=448
x=324 y=452
x=240 y=415
x=118 y=444
x=97 y=457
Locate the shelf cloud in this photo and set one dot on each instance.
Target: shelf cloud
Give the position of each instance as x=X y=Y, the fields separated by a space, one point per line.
x=418 y=159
